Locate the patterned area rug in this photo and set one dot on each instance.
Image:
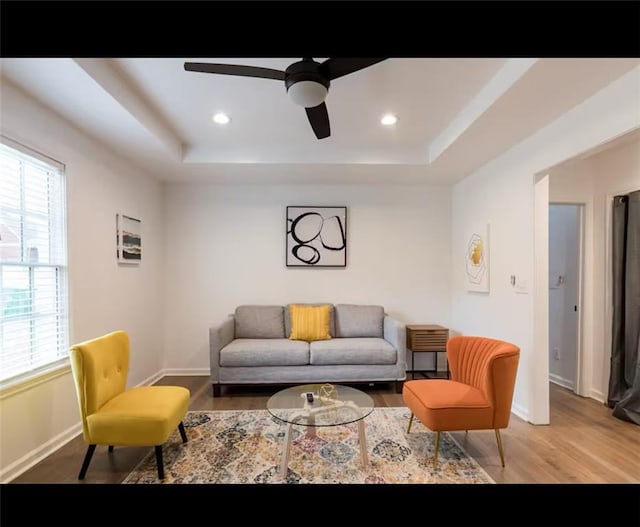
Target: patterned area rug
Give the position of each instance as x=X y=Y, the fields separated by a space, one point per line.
x=245 y=447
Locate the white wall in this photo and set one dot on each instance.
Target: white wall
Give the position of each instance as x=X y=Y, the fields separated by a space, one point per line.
x=593 y=181
x=564 y=275
x=103 y=295
x=226 y=246
x=506 y=203
x=502 y=192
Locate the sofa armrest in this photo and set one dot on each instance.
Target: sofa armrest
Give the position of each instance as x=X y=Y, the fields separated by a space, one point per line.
x=395 y=333
x=219 y=337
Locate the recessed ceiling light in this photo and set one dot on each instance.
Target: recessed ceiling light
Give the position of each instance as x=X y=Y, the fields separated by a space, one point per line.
x=221 y=118
x=388 y=119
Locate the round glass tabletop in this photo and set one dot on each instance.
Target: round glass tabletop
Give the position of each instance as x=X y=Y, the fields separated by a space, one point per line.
x=331 y=405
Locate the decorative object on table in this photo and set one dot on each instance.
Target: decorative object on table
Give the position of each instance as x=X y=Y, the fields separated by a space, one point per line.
x=328 y=392
x=128 y=239
x=476 y=258
x=329 y=398
x=244 y=446
x=316 y=237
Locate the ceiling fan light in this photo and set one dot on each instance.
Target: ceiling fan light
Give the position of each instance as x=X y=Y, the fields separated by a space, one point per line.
x=307 y=94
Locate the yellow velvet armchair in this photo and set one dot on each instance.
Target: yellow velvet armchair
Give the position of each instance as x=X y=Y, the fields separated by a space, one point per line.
x=477 y=397
x=114 y=415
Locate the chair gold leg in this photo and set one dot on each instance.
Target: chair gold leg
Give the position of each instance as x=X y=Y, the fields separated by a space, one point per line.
x=435 y=457
x=410 y=423
x=499 y=439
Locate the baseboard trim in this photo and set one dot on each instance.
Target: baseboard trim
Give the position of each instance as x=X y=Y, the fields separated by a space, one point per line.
x=34 y=457
x=38 y=454
x=521 y=412
x=151 y=379
x=561 y=381
x=597 y=395
x=187 y=372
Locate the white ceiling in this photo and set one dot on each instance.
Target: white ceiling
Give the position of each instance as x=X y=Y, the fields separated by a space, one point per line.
x=454 y=115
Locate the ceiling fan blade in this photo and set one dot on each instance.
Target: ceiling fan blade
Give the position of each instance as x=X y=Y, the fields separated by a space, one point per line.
x=338 y=67
x=234 y=69
x=319 y=119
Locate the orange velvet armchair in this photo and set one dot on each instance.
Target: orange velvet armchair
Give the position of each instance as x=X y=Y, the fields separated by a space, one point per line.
x=477 y=397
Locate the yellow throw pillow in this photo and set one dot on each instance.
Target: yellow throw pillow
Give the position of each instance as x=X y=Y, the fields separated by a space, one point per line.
x=309 y=322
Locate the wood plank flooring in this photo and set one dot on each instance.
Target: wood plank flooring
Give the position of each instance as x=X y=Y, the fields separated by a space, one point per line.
x=583 y=444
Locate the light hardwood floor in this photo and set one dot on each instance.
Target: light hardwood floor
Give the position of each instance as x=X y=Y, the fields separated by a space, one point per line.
x=583 y=444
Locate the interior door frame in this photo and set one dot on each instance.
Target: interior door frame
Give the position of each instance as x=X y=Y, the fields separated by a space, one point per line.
x=581 y=387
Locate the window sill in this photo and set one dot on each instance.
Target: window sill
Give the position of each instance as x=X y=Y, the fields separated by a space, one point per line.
x=15 y=386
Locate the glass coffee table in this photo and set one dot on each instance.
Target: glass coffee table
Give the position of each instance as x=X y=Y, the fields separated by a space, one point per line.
x=331 y=405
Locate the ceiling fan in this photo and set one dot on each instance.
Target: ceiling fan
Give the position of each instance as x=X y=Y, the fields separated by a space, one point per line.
x=307 y=82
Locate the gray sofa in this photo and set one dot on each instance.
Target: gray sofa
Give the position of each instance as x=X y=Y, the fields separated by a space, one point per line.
x=252 y=347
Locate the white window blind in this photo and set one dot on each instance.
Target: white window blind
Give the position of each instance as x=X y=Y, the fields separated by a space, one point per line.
x=33 y=263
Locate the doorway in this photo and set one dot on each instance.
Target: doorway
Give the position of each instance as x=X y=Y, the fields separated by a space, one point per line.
x=565 y=277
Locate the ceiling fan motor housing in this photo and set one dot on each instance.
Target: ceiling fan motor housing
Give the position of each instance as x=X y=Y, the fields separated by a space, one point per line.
x=305 y=84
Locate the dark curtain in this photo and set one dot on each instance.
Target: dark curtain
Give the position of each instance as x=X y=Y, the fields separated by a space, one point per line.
x=624 y=380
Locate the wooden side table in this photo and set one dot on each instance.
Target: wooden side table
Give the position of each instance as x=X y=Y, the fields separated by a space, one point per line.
x=429 y=338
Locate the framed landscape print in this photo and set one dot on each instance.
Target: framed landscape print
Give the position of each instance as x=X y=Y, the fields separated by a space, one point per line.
x=316 y=237
x=129 y=239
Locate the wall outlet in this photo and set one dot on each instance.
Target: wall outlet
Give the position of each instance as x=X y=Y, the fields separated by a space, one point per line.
x=556 y=353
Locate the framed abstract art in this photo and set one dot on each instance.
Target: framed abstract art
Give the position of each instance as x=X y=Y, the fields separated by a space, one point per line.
x=316 y=236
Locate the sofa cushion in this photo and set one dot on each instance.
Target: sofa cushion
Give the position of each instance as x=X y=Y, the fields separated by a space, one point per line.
x=352 y=351
x=287 y=318
x=265 y=352
x=259 y=322
x=309 y=322
x=359 y=321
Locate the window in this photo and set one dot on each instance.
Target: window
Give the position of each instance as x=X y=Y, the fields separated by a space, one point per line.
x=33 y=263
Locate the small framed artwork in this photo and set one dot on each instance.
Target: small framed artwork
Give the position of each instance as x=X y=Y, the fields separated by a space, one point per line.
x=476 y=258
x=316 y=236
x=128 y=239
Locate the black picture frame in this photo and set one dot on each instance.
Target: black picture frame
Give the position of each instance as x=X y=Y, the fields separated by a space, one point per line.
x=316 y=236
x=129 y=239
